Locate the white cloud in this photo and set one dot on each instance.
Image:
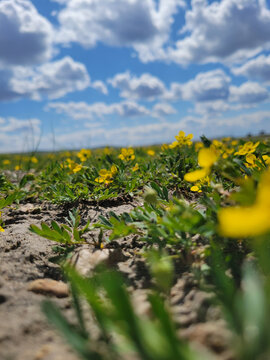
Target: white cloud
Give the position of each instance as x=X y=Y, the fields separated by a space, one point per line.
x=19 y=135
x=225 y=31
x=25 y=36
x=161 y=132
x=255 y=69
x=143 y=25
x=53 y=80
x=211 y=108
x=82 y=110
x=208 y=86
x=145 y=87
x=162 y=110
x=100 y=86
x=249 y=93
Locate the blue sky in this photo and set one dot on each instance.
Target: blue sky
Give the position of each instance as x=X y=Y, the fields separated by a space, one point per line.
x=87 y=73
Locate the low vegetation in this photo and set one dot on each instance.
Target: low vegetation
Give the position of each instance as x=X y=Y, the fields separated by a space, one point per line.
x=204 y=203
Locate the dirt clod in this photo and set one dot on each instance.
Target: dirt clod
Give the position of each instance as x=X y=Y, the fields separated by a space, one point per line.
x=49 y=287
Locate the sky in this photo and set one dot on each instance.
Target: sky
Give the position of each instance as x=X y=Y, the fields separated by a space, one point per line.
x=90 y=73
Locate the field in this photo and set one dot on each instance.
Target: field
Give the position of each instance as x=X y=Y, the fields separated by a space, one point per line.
x=154 y=253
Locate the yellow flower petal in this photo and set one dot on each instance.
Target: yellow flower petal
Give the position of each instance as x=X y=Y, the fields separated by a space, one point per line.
x=113 y=170
x=207 y=157
x=195 y=188
x=238 y=222
x=196 y=175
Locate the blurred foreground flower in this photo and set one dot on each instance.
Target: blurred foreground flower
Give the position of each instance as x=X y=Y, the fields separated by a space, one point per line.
x=245 y=221
x=206 y=159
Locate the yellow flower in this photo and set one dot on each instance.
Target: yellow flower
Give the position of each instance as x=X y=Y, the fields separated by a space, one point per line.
x=6 y=162
x=195 y=188
x=243 y=221
x=135 y=168
x=198 y=185
x=182 y=139
x=206 y=158
x=17 y=167
x=114 y=170
x=74 y=167
x=250 y=160
x=106 y=176
x=164 y=147
x=248 y=221
x=247 y=148
x=34 y=160
x=198 y=145
x=84 y=154
x=196 y=175
x=151 y=152
x=173 y=144
x=1 y=229
x=127 y=154
x=227 y=153
x=266 y=159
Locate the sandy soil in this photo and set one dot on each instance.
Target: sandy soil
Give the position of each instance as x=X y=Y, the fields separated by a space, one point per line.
x=24 y=257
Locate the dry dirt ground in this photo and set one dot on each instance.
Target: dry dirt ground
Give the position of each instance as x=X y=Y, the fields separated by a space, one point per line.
x=24 y=257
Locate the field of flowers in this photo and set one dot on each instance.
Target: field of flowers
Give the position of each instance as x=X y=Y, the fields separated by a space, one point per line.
x=200 y=207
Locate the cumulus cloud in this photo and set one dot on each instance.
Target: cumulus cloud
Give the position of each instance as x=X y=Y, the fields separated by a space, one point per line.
x=25 y=36
x=225 y=31
x=162 y=110
x=255 y=69
x=143 y=25
x=145 y=87
x=207 y=86
x=82 y=110
x=53 y=80
x=212 y=108
x=249 y=93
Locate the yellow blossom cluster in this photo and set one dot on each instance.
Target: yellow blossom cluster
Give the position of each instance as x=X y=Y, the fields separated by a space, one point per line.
x=106 y=176
x=248 y=148
x=181 y=140
x=223 y=148
x=84 y=154
x=197 y=187
x=127 y=154
x=73 y=166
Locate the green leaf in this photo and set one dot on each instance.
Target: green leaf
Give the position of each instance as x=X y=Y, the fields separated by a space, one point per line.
x=73 y=337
